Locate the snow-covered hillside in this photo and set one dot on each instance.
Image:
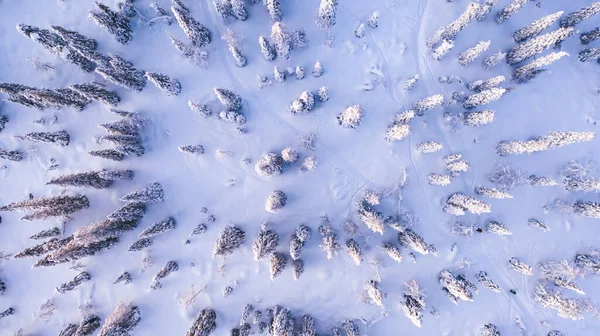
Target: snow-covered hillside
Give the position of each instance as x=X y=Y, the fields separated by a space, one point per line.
x=299 y=167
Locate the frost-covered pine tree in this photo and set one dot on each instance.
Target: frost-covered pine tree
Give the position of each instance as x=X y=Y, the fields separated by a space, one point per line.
x=489 y=330
x=270 y=165
x=458 y=166
x=536 y=27
x=94 y=91
x=440 y=180
x=169 y=268
x=485 y=9
x=537 y=224
x=354 y=251
x=410 y=83
x=482 y=85
x=109 y=154
x=392 y=250
x=129 y=212
x=498 y=228
x=582 y=184
x=590 y=36
x=373 y=21
x=351 y=116
x=307 y=326
x=140 y=244
x=562 y=274
x=458 y=203
x=111 y=21
x=360 y=30
x=414 y=241
x=48 y=233
x=484 y=97
x=538 y=44
x=276 y=201
x=552 y=140
x=493 y=60
x=350 y=328
x=532 y=69
x=159 y=227
x=318 y=69
x=329 y=243
x=232 y=101
x=123 y=319
x=452 y=29
x=98 y=179
x=43 y=248
x=267 y=50
x=589 y=54
x=429 y=147
x=478 y=118
x=200 y=109
x=76 y=282
x=397 y=131
x=238 y=9
x=192 y=149
x=428 y=103
x=198 y=34
x=587 y=209
x=487 y=282
x=413 y=303
x=297 y=268
x=375 y=293
x=581 y=15
x=205 y=324
x=520 y=266
x=229 y=241
x=223 y=10
x=150 y=194
x=282 y=322
x=274 y=9
x=509 y=10
x=297 y=241
x=165 y=83
x=469 y=56
x=326 y=15
x=492 y=193
x=265 y=243
x=277 y=263
x=289 y=155
x=60 y=138
x=278 y=74
x=11 y=155
x=323 y=94
x=568 y=308
x=300 y=74
x=443 y=49
x=122 y=72
x=373 y=219
x=456 y=287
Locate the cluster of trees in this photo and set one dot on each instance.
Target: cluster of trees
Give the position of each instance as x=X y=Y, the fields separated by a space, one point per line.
x=231 y=9
x=530 y=48
x=553 y=140
x=282 y=42
x=531 y=70
x=124 y=134
x=456 y=287
x=114 y=22
x=536 y=27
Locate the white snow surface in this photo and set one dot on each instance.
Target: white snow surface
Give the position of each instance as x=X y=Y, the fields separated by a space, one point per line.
x=351 y=161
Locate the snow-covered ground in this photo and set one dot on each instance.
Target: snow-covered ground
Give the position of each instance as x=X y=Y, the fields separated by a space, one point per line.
x=371 y=72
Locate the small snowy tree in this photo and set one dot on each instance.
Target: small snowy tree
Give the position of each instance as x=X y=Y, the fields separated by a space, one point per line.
x=478 y=118
x=565 y=307
x=554 y=139
x=198 y=34
x=238 y=9
x=590 y=36
x=470 y=55
x=414 y=241
x=482 y=85
x=229 y=241
x=520 y=266
x=587 y=209
x=350 y=328
x=413 y=303
x=93 y=91
x=274 y=9
x=492 y=193
x=397 y=131
x=351 y=117
x=76 y=282
x=372 y=218
x=46 y=207
x=329 y=243
x=282 y=40
x=169 y=268
x=318 y=69
x=354 y=251
x=443 y=49
x=307 y=326
x=282 y=322
x=498 y=228
x=124 y=318
x=485 y=9
x=205 y=324
x=456 y=287
x=392 y=250
x=113 y=22
x=300 y=73
x=150 y=194
x=581 y=15
x=276 y=201
x=265 y=243
x=458 y=166
x=484 y=97
x=536 y=27
x=165 y=83
x=11 y=155
x=270 y=165
x=297 y=268
x=493 y=60
x=326 y=15
x=589 y=54
x=277 y=263
x=267 y=50
x=373 y=21
x=458 y=203
x=536 y=45
x=122 y=72
x=360 y=30
x=375 y=293
x=429 y=147
x=426 y=104
x=323 y=94
x=200 y=109
x=159 y=227
x=487 y=282
x=289 y=155
x=489 y=330
x=452 y=29
x=509 y=10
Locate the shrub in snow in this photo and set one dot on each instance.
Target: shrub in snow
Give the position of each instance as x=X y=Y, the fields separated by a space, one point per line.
x=552 y=140
x=589 y=54
x=351 y=117
x=270 y=165
x=354 y=251
x=150 y=194
x=437 y=179
x=46 y=207
x=229 y=241
x=329 y=243
x=587 y=209
x=7 y=312
x=478 y=118
x=121 y=321
x=426 y=104
x=582 y=184
x=443 y=49
x=536 y=45
x=536 y=27
x=492 y=193
x=360 y=30
x=429 y=147
x=565 y=307
x=456 y=287
x=487 y=282
x=373 y=21
x=165 y=83
x=125 y=278
x=289 y=155
x=480 y=85
x=520 y=266
x=590 y=36
x=555 y=333
x=205 y=324
x=509 y=10
x=76 y=282
x=470 y=55
x=111 y=21
x=298 y=239
x=374 y=292
x=159 y=227
x=412 y=240
x=309 y=163
x=122 y=72
x=459 y=228
x=282 y=40
x=326 y=15
x=397 y=131
x=493 y=60
x=304 y=104
x=201 y=109
x=265 y=244
x=192 y=149
x=498 y=228
x=489 y=330
x=484 y=97
x=413 y=303
x=297 y=268
x=350 y=328
x=505 y=177
x=307 y=326
x=581 y=15
x=458 y=203
x=11 y=155
x=198 y=34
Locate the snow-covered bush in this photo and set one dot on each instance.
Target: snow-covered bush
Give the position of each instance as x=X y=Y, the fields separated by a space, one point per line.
x=124 y=318
x=375 y=293
x=229 y=241
x=372 y=218
x=392 y=250
x=489 y=330
x=520 y=266
x=289 y=155
x=458 y=203
x=323 y=94
x=587 y=209
x=487 y=282
x=590 y=36
x=460 y=228
x=351 y=117
x=581 y=15
x=469 y=56
x=270 y=165
x=457 y=167
x=429 y=147
x=397 y=131
x=493 y=60
x=538 y=44
x=482 y=85
x=582 y=184
x=443 y=49
x=509 y=10
x=410 y=83
x=304 y=104
x=589 y=54
x=309 y=163
x=329 y=243
x=492 y=193
x=536 y=27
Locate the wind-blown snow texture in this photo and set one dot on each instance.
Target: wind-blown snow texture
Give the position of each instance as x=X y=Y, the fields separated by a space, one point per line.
x=220 y=187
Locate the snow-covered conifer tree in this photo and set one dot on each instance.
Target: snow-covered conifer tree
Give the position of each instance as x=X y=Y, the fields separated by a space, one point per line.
x=192 y=149
x=169 y=268
x=582 y=184
x=159 y=227
x=457 y=166
x=457 y=287
x=329 y=243
x=111 y=21
x=354 y=251
x=110 y=154
x=498 y=228
x=289 y=155
x=373 y=21
x=318 y=69
x=76 y=282
x=581 y=15
x=520 y=266
x=482 y=85
x=60 y=138
x=493 y=60
x=360 y=30
x=11 y=155
x=397 y=131
x=568 y=308
x=229 y=241
x=238 y=9
x=536 y=27
x=48 y=233
x=509 y=10
x=590 y=36
x=307 y=326
x=323 y=94
x=530 y=70
x=489 y=330
x=326 y=15
x=123 y=73
x=350 y=328
x=458 y=203
x=429 y=147
x=276 y=201
x=124 y=318
x=484 y=97
x=205 y=324
x=278 y=74
x=492 y=192
x=487 y=282
x=537 y=224
x=440 y=180
x=277 y=263
x=267 y=50
x=265 y=243
x=297 y=268
x=351 y=117
x=538 y=44
x=274 y=9
x=478 y=118
x=232 y=101
x=200 y=109
x=552 y=140
x=413 y=303
x=300 y=72
x=410 y=83
x=165 y=83
x=43 y=248
x=485 y=9
x=428 y=103
x=452 y=29
x=282 y=323
x=372 y=218
x=443 y=49
x=470 y=55
x=93 y=91
x=198 y=34
x=375 y=293
x=94 y=179
x=392 y=250
x=223 y=9
x=150 y=194
x=270 y=165
x=589 y=54
x=587 y=209
x=414 y=241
